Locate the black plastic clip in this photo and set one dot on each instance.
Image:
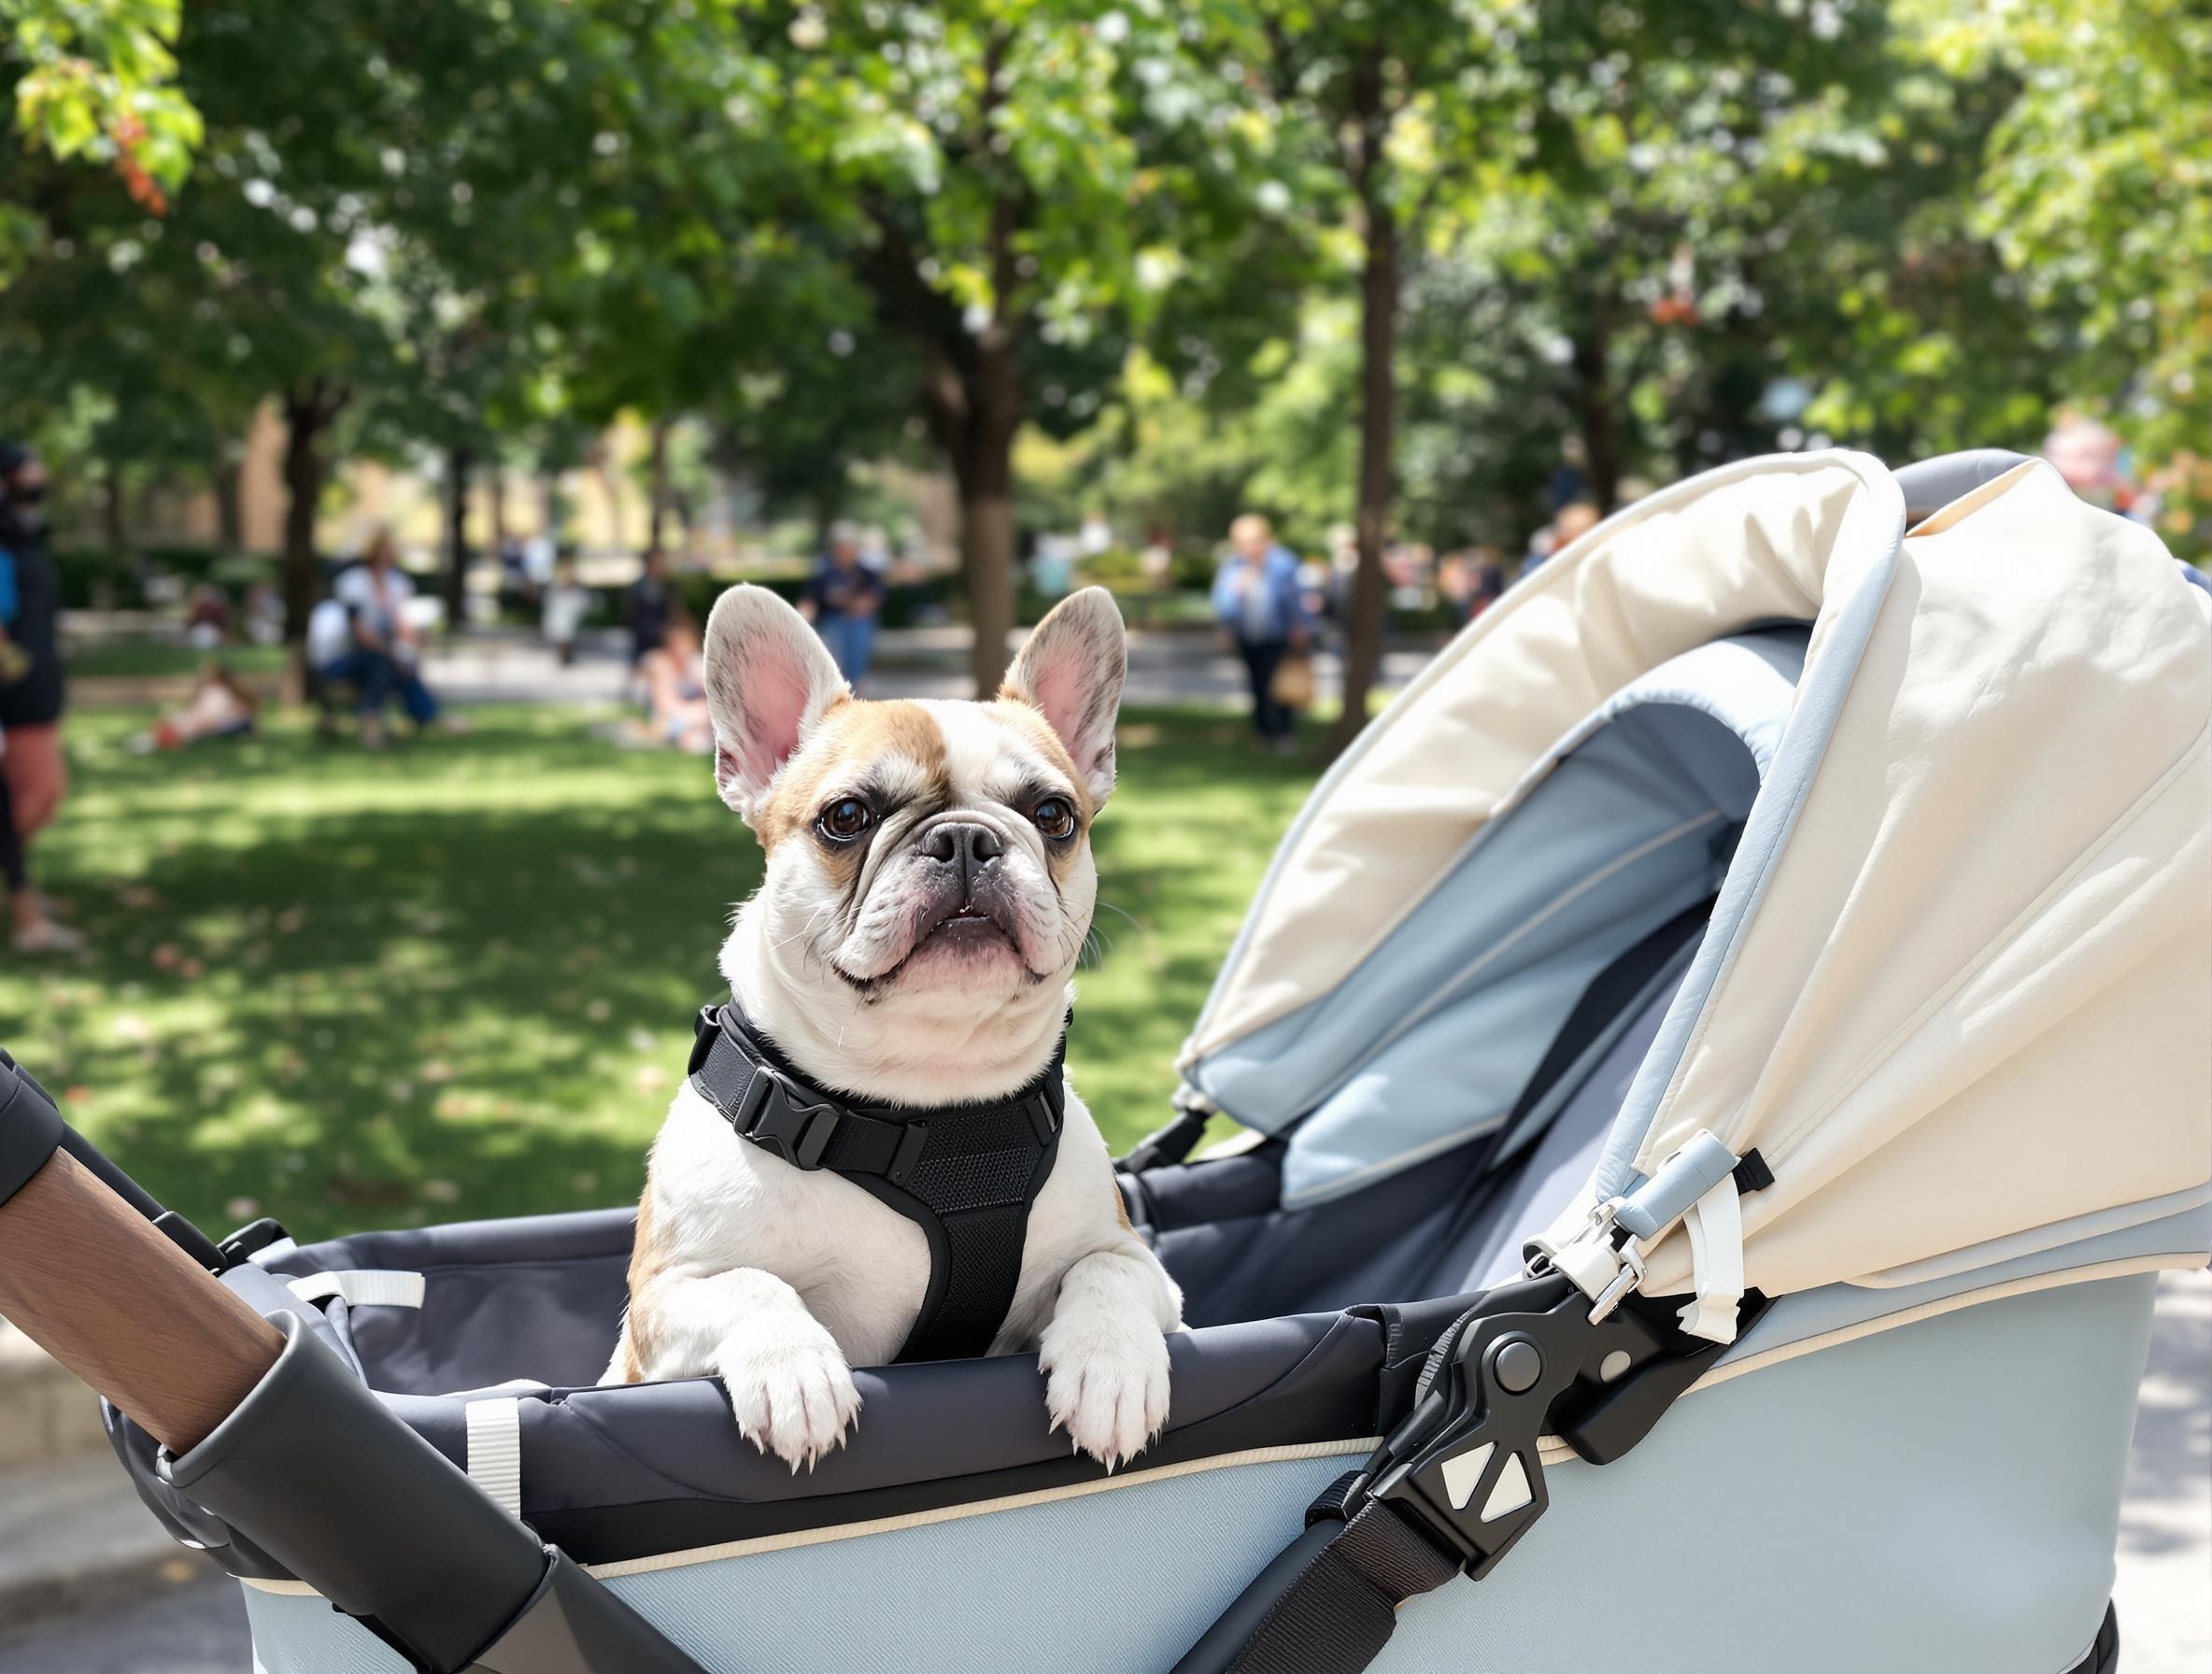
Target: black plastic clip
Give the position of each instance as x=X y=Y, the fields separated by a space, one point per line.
x=1175 y=1141
x=248 y=1241
x=771 y=1113
x=1525 y=1362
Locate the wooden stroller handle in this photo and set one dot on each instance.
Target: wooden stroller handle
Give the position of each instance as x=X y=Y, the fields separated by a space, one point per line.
x=98 y=1286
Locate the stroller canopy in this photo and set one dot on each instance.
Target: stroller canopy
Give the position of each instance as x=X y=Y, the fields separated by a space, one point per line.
x=1953 y=986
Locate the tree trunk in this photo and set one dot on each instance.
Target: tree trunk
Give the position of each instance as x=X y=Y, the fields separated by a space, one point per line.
x=613 y=490
x=1594 y=402
x=305 y=418
x=1378 y=391
x=984 y=469
x=459 y=465
x=657 y=515
x=230 y=510
x=550 y=506
x=111 y=509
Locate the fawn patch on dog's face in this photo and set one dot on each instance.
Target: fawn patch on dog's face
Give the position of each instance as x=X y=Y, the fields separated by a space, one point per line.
x=915 y=847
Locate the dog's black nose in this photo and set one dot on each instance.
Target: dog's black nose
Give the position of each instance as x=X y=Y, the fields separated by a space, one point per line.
x=964 y=843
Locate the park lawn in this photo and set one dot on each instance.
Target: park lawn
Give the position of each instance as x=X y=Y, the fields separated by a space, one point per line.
x=158 y=660
x=457 y=980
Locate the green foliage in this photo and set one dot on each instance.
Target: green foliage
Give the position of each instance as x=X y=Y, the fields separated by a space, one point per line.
x=94 y=80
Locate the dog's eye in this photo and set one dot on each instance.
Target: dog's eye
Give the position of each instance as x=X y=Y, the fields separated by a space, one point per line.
x=844 y=819
x=1054 y=818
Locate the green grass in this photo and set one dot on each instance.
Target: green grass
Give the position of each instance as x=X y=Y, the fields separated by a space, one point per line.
x=456 y=980
x=147 y=659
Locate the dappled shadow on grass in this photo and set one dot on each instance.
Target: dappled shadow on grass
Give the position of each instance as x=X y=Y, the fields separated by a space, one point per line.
x=298 y=1001
x=457 y=980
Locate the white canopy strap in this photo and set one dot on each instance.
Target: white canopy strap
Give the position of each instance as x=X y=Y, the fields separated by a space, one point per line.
x=361 y=1287
x=1715 y=1228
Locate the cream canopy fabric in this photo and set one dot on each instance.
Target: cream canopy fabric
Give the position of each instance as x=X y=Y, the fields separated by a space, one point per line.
x=1977 y=996
x=1959 y=981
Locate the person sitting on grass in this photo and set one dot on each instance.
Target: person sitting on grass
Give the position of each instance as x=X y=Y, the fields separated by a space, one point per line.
x=381 y=654
x=220 y=706
x=675 y=686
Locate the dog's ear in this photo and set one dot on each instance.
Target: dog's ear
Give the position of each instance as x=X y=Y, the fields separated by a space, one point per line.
x=767 y=680
x=1072 y=668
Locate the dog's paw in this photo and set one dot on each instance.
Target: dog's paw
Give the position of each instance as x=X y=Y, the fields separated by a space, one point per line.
x=790 y=1389
x=1106 y=1382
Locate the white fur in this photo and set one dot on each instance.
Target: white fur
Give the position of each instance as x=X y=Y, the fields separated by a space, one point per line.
x=781 y=1280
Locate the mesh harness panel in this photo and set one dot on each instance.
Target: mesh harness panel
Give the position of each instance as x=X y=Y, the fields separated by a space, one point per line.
x=966 y=1174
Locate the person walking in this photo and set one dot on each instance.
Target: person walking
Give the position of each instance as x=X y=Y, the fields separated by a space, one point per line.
x=1262 y=608
x=32 y=765
x=842 y=599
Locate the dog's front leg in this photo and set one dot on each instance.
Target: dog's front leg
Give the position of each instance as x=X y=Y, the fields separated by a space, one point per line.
x=1105 y=1352
x=789 y=1388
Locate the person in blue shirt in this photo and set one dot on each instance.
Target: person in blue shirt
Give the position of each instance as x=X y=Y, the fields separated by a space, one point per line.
x=842 y=599
x=1260 y=605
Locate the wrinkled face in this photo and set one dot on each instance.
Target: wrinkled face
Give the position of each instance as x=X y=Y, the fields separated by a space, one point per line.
x=930 y=878
x=920 y=845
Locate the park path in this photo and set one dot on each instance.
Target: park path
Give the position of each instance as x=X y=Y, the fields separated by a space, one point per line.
x=2164 y=1590
x=910 y=663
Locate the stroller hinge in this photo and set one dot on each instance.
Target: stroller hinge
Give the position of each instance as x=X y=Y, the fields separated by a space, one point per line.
x=1529 y=1361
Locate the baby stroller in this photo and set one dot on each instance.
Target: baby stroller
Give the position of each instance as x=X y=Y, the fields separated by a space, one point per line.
x=1724 y=1056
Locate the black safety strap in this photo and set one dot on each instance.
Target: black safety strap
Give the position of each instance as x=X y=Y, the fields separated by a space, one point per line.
x=966 y=1174
x=1338 y=1613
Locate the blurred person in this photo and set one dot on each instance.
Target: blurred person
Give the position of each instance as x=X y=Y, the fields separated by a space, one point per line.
x=647 y=606
x=565 y=606
x=1052 y=568
x=675 y=686
x=207 y=618
x=2088 y=455
x=1157 y=562
x=1487 y=565
x=380 y=655
x=842 y=599
x=539 y=555
x=1574 y=521
x=31 y=696
x=265 y=615
x=1260 y=605
x=1569 y=525
x=220 y=706
x=1455 y=588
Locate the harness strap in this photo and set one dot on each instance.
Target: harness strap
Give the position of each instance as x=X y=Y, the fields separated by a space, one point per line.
x=966 y=1174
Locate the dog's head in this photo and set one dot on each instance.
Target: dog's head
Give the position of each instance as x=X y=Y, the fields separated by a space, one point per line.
x=930 y=875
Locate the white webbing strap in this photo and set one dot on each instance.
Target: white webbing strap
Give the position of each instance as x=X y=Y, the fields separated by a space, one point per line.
x=495 y=1450
x=1715 y=1227
x=361 y=1287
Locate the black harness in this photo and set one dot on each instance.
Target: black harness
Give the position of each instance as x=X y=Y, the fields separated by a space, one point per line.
x=966 y=1174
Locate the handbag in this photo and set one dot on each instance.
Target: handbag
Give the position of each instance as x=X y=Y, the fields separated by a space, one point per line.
x=1293 y=684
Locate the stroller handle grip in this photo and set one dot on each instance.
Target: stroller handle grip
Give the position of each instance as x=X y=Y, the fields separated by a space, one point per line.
x=92 y=1283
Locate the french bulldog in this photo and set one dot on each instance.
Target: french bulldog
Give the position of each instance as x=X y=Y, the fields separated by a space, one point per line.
x=928 y=889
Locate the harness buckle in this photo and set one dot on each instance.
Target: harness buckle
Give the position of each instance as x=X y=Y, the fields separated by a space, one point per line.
x=772 y=1115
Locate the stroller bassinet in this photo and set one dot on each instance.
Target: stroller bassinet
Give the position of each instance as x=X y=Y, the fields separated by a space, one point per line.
x=1760 y=916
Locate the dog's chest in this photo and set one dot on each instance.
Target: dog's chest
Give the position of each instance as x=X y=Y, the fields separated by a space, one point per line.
x=861 y=1268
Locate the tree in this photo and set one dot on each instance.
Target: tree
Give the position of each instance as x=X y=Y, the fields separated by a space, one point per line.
x=1002 y=179
x=96 y=81
x=2096 y=190
x=1390 y=110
